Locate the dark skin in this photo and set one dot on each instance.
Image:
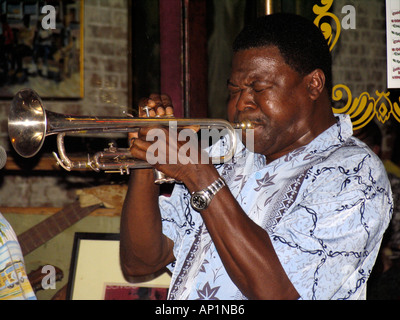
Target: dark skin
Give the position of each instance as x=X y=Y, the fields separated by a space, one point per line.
x=288 y=111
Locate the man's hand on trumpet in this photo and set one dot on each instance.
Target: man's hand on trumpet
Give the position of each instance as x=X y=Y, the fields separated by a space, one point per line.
x=158 y=105
x=160 y=146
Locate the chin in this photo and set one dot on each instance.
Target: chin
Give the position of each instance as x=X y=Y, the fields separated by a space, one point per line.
x=254 y=139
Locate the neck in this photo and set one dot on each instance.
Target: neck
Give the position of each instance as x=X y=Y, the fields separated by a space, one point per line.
x=319 y=120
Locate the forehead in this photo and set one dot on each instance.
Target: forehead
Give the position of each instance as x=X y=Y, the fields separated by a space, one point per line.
x=259 y=61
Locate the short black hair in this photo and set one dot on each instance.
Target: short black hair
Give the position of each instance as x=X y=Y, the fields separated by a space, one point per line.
x=300 y=42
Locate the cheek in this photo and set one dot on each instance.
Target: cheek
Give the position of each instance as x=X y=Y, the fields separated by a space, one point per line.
x=276 y=108
x=269 y=102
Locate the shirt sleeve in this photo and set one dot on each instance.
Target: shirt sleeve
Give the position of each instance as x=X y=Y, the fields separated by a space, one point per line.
x=14 y=282
x=329 y=241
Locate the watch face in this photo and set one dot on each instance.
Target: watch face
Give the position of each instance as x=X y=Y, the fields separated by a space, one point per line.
x=199 y=201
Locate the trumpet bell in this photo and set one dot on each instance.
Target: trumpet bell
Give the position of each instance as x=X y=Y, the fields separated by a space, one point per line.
x=27 y=123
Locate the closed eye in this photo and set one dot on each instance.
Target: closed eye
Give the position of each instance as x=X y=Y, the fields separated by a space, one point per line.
x=233 y=88
x=260 y=86
x=256 y=86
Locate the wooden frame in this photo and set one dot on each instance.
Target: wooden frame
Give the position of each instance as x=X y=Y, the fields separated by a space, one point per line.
x=95 y=272
x=183 y=56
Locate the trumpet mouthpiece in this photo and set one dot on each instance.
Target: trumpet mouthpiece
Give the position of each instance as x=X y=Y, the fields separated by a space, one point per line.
x=243 y=125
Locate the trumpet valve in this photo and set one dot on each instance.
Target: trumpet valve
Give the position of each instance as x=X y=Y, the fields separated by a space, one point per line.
x=111 y=147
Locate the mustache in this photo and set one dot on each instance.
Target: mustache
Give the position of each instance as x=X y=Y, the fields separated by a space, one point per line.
x=249 y=118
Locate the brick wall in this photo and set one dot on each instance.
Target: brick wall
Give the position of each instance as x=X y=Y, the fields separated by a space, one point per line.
x=359 y=58
x=106 y=93
x=106 y=52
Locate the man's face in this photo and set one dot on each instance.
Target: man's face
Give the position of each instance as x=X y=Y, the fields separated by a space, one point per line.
x=273 y=96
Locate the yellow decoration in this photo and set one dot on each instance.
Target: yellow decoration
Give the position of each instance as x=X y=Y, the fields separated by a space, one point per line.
x=364 y=108
x=325 y=27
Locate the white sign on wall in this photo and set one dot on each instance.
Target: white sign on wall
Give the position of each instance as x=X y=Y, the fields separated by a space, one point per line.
x=393 y=43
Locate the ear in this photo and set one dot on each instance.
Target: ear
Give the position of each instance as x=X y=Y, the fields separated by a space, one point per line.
x=315 y=83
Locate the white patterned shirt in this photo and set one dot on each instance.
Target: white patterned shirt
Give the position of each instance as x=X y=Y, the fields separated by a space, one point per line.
x=325 y=207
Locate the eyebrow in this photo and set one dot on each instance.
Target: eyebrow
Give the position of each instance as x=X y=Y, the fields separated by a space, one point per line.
x=229 y=83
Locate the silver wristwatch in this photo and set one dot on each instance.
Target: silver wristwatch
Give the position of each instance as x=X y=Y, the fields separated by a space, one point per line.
x=200 y=200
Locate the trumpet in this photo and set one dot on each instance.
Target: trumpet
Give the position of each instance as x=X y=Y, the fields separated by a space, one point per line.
x=29 y=123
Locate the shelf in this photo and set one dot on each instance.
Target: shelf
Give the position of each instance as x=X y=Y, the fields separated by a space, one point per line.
x=103 y=212
x=46 y=163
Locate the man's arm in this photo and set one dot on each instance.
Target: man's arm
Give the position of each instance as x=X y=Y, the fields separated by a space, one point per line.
x=143 y=248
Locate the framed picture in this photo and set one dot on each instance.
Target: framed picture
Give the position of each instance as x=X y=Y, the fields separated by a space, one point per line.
x=95 y=272
x=41 y=47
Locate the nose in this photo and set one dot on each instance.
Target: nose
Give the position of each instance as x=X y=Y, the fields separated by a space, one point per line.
x=245 y=100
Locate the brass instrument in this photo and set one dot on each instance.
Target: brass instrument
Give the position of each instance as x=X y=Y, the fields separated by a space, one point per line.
x=29 y=123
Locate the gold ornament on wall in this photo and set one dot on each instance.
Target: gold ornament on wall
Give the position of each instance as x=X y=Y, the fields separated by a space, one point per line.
x=364 y=108
x=322 y=12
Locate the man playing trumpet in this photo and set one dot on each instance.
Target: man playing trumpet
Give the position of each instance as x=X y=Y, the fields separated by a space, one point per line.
x=298 y=215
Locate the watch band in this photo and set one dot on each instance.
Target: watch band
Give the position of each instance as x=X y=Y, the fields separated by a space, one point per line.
x=216 y=186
